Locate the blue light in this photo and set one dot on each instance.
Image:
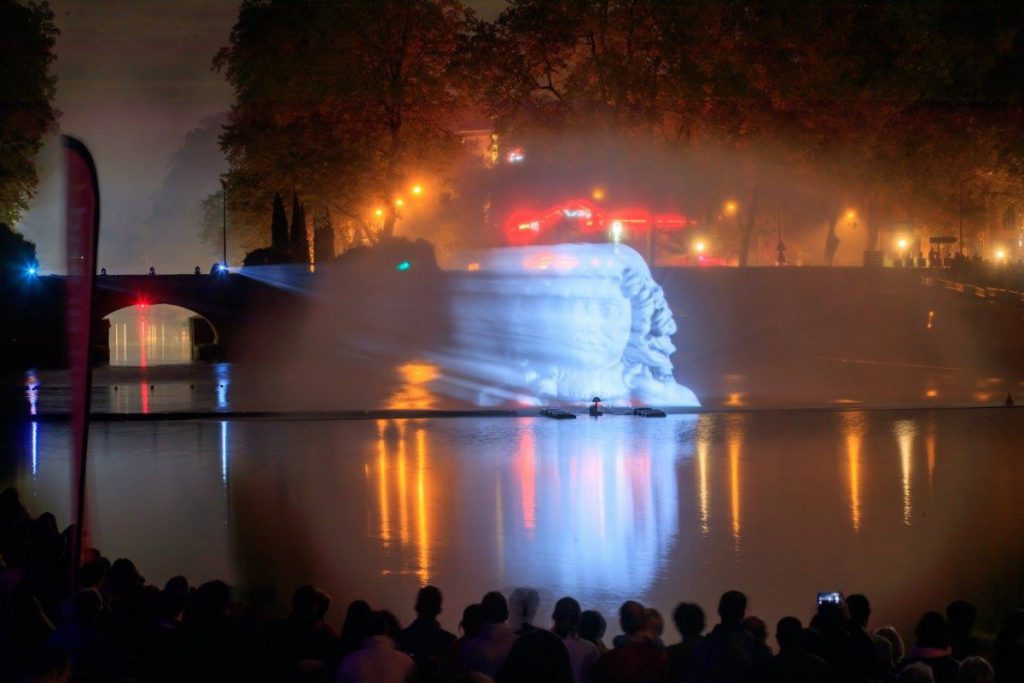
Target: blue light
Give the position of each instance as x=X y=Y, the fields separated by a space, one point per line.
x=222 y=267
x=404 y=265
x=31 y=271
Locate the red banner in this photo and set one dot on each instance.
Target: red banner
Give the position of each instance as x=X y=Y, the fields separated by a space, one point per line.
x=83 y=228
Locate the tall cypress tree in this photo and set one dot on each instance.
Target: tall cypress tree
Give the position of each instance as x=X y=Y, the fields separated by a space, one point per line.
x=299 y=242
x=279 y=227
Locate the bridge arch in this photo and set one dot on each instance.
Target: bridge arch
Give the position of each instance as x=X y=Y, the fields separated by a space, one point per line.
x=157 y=334
x=211 y=299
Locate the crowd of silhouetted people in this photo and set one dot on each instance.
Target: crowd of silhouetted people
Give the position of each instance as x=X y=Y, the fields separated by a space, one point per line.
x=1000 y=274
x=110 y=625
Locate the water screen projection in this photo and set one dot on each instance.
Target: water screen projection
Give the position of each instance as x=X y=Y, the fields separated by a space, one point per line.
x=498 y=328
x=560 y=323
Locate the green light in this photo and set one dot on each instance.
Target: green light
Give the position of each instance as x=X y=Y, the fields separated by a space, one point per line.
x=404 y=265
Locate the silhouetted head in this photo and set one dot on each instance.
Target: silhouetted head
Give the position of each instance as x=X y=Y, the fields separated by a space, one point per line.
x=87 y=606
x=689 y=619
x=756 y=627
x=357 y=621
x=789 y=633
x=895 y=641
x=592 y=626
x=310 y=604
x=732 y=607
x=961 y=615
x=932 y=631
x=173 y=598
x=654 y=624
x=915 y=673
x=523 y=604
x=975 y=670
x=428 y=602
x=472 y=620
x=209 y=605
x=631 y=617
x=495 y=608
x=538 y=657
x=384 y=623
x=123 y=575
x=566 y=616
x=93 y=574
x=860 y=609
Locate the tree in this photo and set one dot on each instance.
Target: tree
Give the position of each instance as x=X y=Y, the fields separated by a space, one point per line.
x=341 y=102
x=279 y=227
x=16 y=254
x=298 y=242
x=27 y=37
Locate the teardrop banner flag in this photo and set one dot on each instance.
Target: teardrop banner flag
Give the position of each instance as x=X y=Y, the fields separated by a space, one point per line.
x=82 y=222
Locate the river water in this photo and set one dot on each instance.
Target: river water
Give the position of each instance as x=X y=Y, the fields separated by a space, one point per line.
x=914 y=507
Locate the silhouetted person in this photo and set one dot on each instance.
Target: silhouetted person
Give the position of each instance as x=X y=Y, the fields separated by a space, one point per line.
x=536 y=657
x=486 y=652
x=209 y=634
x=729 y=654
x=962 y=637
x=975 y=670
x=355 y=628
x=932 y=649
x=793 y=664
x=757 y=628
x=689 y=621
x=1009 y=659
x=654 y=626
x=377 y=660
x=846 y=649
x=892 y=636
x=152 y=270
x=303 y=634
x=522 y=609
x=198 y=271
x=582 y=653
x=592 y=628
x=867 y=645
x=92 y=655
x=915 y=673
x=469 y=628
x=424 y=639
x=635 y=659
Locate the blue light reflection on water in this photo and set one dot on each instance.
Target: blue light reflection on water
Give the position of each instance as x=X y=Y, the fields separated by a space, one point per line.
x=222 y=373
x=224 y=453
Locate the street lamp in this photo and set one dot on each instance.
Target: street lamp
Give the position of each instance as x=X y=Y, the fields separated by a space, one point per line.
x=961 y=243
x=731 y=208
x=224 y=219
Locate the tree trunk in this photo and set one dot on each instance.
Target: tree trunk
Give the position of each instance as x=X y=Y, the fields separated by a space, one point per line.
x=831 y=240
x=747 y=229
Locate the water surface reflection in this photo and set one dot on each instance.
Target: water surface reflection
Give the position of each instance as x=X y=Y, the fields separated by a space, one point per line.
x=781 y=505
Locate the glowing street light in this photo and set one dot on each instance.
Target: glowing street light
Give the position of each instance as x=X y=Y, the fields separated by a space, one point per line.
x=597 y=194
x=902 y=243
x=1000 y=255
x=417 y=190
x=699 y=246
x=851 y=215
x=731 y=207
x=399 y=202
x=379 y=213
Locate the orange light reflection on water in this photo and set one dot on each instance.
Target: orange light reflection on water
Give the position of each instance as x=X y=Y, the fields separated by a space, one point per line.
x=414 y=391
x=853 y=431
x=404 y=491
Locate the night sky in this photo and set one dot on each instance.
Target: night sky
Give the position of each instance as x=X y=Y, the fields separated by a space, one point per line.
x=134 y=83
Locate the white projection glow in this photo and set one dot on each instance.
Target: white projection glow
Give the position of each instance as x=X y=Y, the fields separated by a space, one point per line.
x=560 y=323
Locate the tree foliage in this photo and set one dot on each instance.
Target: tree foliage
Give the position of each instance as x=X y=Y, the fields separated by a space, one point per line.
x=27 y=37
x=340 y=102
